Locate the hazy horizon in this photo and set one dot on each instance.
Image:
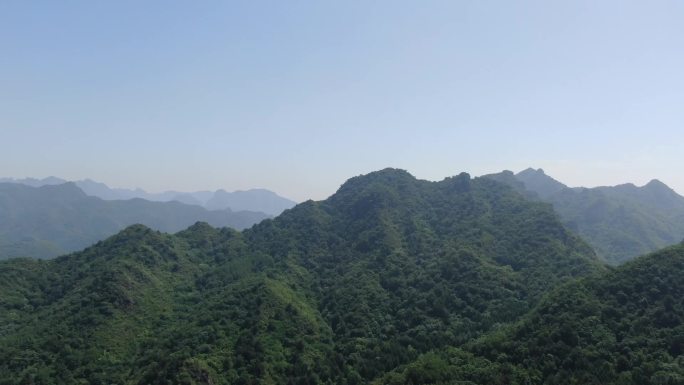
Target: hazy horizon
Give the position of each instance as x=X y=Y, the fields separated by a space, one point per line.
x=639 y=184
x=297 y=97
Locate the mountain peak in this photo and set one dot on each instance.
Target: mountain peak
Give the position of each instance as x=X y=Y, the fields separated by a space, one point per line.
x=387 y=176
x=199 y=233
x=134 y=234
x=136 y=229
x=67 y=190
x=662 y=193
x=540 y=183
x=389 y=172
x=199 y=227
x=656 y=184
x=259 y=199
x=507 y=177
x=532 y=171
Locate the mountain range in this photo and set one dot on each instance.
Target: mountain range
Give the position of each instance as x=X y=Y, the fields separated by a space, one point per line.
x=51 y=220
x=337 y=291
x=260 y=200
x=391 y=280
x=620 y=222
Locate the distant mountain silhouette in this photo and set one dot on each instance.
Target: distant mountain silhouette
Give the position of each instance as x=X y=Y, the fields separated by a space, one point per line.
x=539 y=182
x=255 y=199
x=102 y=191
x=260 y=200
x=55 y=219
x=34 y=182
x=620 y=222
x=187 y=198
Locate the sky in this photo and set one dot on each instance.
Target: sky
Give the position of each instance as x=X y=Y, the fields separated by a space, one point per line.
x=298 y=96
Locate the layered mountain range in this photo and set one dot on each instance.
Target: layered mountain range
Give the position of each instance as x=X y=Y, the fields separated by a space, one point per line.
x=391 y=280
x=259 y=200
x=52 y=220
x=620 y=222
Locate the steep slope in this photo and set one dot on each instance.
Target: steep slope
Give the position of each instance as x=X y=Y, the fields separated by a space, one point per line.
x=624 y=327
x=51 y=220
x=338 y=291
x=141 y=307
x=620 y=222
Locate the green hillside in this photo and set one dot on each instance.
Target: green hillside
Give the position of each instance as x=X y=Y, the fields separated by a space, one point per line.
x=624 y=327
x=341 y=291
x=619 y=222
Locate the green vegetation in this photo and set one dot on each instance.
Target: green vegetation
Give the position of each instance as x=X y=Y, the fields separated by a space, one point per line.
x=620 y=222
x=624 y=327
x=47 y=221
x=341 y=291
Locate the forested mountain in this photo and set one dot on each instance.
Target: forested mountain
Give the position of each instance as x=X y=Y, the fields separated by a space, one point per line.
x=258 y=200
x=620 y=222
x=51 y=220
x=623 y=327
x=341 y=291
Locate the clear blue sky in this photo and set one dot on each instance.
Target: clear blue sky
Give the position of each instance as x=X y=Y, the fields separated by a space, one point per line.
x=297 y=96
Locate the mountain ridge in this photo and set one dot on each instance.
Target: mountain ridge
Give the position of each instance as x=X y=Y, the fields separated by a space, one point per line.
x=256 y=199
x=56 y=219
x=336 y=291
x=620 y=222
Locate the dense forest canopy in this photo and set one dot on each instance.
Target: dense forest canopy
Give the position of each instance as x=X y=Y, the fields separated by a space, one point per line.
x=625 y=326
x=390 y=280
